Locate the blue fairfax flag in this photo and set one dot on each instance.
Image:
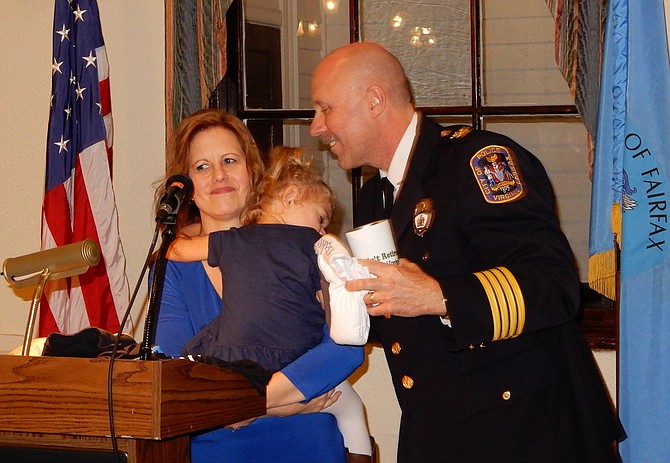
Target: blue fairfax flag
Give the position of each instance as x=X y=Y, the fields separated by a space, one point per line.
x=632 y=170
x=79 y=199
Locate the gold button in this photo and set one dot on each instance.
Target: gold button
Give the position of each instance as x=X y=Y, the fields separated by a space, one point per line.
x=387 y=315
x=426 y=256
x=471 y=347
x=506 y=395
x=395 y=348
x=407 y=382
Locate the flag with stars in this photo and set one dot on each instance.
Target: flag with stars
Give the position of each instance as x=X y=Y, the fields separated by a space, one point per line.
x=79 y=199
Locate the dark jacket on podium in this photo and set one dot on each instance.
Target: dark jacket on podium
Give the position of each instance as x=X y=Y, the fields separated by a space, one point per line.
x=512 y=380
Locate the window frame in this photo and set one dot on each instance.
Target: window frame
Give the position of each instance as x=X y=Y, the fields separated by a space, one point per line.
x=598 y=315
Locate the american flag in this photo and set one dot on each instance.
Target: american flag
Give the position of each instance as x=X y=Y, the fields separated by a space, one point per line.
x=79 y=198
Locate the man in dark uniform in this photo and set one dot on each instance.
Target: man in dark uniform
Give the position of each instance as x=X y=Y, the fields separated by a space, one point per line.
x=477 y=319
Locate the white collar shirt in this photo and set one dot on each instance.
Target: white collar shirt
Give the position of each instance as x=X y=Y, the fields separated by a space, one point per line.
x=396 y=172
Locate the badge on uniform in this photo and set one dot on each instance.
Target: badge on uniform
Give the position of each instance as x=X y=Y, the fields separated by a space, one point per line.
x=496 y=172
x=424 y=215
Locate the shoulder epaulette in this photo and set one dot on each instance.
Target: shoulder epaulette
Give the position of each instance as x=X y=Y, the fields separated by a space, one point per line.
x=456 y=131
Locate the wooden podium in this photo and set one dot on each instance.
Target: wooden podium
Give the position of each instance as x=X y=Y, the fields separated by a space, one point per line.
x=61 y=403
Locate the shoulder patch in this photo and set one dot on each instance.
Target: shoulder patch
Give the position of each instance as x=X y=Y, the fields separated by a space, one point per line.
x=496 y=172
x=456 y=132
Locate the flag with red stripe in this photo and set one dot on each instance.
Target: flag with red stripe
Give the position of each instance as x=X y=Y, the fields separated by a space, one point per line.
x=79 y=199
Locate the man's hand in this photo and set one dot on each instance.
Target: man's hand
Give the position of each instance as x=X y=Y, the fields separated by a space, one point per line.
x=402 y=290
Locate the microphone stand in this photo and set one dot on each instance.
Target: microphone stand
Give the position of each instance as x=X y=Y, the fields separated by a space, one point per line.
x=156 y=289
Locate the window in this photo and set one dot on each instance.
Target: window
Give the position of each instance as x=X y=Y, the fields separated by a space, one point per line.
x=486 y=63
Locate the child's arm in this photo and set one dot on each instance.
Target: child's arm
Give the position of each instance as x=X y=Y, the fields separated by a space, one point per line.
x=348 y=316
x=189 y=248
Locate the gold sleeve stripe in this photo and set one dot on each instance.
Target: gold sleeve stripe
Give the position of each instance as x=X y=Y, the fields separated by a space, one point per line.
x=507 y=280
x=495 y=311
x=508 y=310
x=503 y=304
x=518 y=296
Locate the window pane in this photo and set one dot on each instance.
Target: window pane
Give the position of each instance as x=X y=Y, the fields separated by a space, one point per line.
x=295 y=132
x=561 y=145
x=519 y=67
x=432 y=41
x=283 y=42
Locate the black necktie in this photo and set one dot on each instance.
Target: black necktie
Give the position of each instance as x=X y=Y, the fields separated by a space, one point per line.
x=387 y=192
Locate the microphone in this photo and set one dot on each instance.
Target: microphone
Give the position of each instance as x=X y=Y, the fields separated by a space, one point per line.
x=63 y=261
x=178 y=189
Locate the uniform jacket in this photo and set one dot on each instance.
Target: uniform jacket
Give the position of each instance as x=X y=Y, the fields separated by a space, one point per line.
x=513 y=379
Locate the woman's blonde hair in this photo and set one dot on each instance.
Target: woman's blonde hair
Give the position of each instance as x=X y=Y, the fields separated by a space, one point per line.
x=287 y=166
x=179 y=145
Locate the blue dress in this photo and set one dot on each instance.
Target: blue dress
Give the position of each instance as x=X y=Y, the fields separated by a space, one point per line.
x=271 y=278
x=188 y=303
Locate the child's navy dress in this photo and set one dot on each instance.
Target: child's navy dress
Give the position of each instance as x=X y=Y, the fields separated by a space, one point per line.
x=270 y=312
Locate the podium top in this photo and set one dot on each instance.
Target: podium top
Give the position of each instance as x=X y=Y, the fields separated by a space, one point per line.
x=153 y=399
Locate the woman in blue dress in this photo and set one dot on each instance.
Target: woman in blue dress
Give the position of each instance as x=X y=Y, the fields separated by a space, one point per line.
x=206 y=146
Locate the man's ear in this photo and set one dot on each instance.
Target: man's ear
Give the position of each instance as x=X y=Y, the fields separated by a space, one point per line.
x=291 y=193
x=377 y=99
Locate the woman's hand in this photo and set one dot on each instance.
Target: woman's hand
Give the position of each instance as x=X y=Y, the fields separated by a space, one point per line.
x=281 y=391
x=313 y=406
x=284 y=399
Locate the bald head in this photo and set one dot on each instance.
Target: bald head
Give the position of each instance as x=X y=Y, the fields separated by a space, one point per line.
x=363 y=104
x=369 y=63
